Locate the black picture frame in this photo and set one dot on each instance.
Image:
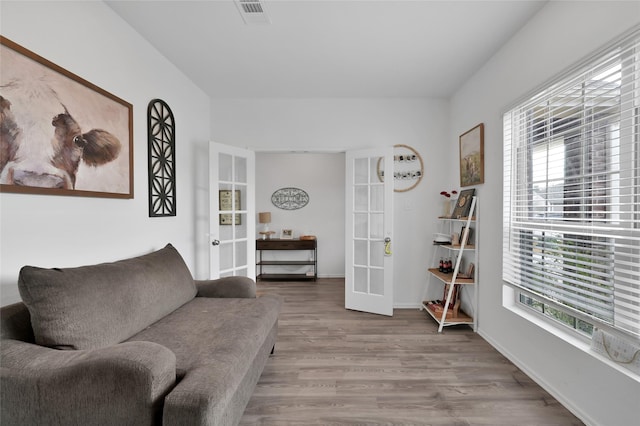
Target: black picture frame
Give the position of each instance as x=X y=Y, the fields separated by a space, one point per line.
x=463 y=204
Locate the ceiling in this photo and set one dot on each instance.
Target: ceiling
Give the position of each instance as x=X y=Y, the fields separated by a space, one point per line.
x=311 y=48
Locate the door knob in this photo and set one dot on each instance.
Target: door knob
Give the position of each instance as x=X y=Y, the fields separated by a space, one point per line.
x=215 y=242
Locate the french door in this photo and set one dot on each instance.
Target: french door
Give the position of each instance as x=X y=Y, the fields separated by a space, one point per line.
x=369 y=228
x=232 y=211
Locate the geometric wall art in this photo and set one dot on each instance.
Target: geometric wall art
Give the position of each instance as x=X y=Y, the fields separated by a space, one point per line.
x=162 y=159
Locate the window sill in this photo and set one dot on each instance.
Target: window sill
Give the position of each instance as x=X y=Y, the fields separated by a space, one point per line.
x=564 y=333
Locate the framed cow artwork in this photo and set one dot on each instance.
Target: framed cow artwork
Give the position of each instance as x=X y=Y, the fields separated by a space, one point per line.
x=60 y=134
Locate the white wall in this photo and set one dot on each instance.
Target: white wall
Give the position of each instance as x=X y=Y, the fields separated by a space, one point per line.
x=321 y=175
x=560 y=35
x=88 y=39
x=339 y=124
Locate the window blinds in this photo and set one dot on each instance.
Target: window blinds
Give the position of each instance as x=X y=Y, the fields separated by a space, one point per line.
x=572 y=189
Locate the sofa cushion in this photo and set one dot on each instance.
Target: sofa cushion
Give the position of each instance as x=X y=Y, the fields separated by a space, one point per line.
x=225 y=332
x=99 y=305
x=221 y=347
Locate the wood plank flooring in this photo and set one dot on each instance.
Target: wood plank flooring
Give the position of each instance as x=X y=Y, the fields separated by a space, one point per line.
x=337 y=367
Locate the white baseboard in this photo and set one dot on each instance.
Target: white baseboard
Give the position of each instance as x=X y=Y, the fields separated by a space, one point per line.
x=407 y=306
x=586 y=419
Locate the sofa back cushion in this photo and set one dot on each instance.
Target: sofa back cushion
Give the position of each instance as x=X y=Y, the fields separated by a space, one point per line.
x=15 y=323
x=98 y=305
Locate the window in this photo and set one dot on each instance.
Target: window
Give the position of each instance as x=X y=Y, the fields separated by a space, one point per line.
x=571 y=236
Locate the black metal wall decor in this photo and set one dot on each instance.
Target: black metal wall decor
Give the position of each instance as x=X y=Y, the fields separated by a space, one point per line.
x=161 y=146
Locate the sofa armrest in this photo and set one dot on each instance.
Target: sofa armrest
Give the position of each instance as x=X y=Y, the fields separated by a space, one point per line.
x=236 y=287
x=123 y=384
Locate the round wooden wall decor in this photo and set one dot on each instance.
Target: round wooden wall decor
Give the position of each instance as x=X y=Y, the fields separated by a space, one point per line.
x=408 y=168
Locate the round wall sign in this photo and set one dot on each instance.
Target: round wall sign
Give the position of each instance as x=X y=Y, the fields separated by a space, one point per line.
x=290 y=198
x=408 y=168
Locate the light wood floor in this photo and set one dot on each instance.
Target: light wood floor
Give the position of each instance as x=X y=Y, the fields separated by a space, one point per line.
x=337 y=367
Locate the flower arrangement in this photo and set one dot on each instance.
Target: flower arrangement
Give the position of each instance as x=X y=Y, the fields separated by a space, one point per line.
x=446 y=204
x=448 y=195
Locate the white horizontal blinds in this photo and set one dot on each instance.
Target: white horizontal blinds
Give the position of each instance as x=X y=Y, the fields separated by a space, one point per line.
x=572 y=189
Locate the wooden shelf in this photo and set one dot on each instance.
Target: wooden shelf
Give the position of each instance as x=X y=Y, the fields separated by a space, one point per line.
x=284 y=244
x=286 y=262
x=446 y=278
x=463 y=219
x=286 y=277
x=458 y=247
x=462 y=318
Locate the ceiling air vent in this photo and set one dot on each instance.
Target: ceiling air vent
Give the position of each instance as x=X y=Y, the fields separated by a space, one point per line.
x=253 y=12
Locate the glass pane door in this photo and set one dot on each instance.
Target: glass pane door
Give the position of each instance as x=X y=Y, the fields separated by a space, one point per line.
x=232 y=224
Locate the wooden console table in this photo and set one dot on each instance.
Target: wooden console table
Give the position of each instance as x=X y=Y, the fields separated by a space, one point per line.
x=279 y=244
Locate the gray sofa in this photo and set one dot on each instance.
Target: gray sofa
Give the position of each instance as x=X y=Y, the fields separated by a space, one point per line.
x=133 y=342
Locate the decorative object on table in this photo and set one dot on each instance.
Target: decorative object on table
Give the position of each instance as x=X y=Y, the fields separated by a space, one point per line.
x=307 y=237
x=227 y=199
x=290 y=198
x=448 y=202
x=161 y=151
x=461 y=210
x=92 y=155
x=265 y=219
x=287 y=234
x=408 y=168
x=472 y=156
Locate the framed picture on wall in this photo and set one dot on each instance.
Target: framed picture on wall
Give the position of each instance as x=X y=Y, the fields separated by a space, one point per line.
x=80 y=137
x=472 y=156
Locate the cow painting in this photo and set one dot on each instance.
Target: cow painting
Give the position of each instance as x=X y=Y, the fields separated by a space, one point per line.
x=58 y=134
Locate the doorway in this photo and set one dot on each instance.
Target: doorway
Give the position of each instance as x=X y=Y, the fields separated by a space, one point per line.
x=322 y=176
